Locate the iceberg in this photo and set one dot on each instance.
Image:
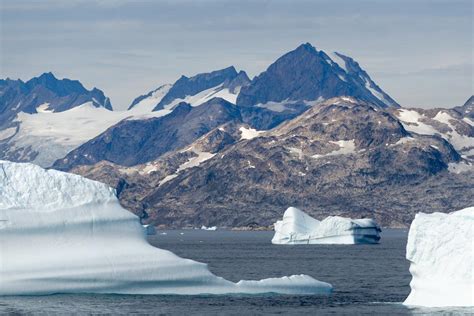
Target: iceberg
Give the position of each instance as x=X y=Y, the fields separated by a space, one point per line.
x=440 y=250
x=208 y=228
x=297 y=227
x=62 y=233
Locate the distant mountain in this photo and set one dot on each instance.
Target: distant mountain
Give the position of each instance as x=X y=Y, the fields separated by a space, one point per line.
x=136 y=141
x=225 y=83
x=44 y=118
x=467 y=109
x=47 y=91
x=343 y=157
x=306 y=74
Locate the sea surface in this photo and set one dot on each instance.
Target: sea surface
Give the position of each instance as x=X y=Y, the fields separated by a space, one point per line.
x=367 y=279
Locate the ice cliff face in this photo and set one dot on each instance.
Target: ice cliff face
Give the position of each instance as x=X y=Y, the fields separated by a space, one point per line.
x=62 y=233
x=440 y=249
x=298 y=227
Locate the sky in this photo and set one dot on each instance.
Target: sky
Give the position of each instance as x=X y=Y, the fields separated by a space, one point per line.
x=420 y=52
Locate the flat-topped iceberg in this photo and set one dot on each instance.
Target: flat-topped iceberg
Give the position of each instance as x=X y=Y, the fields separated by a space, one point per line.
x=440 y=249
x=62 y=233
x=297 y=227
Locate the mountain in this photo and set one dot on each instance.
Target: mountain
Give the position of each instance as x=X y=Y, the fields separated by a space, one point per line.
x=47 y=91
x=225 y=83
x=132 y=142
x=344 y=157
x=44 y=118
x=306 y=74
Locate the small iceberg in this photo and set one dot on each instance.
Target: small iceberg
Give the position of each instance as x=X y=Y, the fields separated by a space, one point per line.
x=62 y=233
x=440 y=249
x=208 y=228
x=297 y=227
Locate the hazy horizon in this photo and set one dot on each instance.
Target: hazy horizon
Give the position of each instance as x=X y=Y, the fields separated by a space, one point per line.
x=419 y=52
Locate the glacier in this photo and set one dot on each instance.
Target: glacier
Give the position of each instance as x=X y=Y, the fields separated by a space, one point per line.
x=440 y=249
x=297 y=227
x=62 y=233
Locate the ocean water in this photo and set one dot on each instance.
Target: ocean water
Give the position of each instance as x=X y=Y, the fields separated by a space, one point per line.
x=367 y=279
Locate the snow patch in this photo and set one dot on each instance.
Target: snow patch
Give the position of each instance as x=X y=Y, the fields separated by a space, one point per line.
x=148 y=104
x=192 y=162
x=345 y=147
x=248 y=133
x=275 y=106
x=206 y=95
x=338 y=61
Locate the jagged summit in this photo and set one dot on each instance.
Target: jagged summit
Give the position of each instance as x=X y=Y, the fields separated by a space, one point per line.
x=196 y=90
x=214 y=81
x=306 y=74
x=57 y=95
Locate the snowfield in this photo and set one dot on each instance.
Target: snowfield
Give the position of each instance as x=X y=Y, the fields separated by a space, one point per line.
x=440 y=249
x=52 y=135
x=297 y=227
x=62 y=233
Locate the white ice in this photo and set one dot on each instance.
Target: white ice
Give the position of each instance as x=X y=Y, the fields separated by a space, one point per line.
x=248 y=132
x=297 y=227
x=211 y=228
x=440 y=249
x=62 y=233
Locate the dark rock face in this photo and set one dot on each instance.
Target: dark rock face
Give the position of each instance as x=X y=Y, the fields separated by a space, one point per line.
x=306 y=74
x=62 y=95
x=190 y=86
x=132 y=142
x=343 y=157
x=467 y=109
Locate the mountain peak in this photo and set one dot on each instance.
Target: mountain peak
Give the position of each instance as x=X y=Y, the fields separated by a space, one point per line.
x=47 y=75
x=185 y=86
x=306 y=74
x=306 y=47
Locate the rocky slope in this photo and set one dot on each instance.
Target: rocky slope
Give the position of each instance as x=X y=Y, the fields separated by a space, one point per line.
x=342 y=157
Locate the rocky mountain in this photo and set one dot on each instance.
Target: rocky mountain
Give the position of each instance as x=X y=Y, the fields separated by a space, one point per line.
x=306 y=74
x=225 y=83
x=467 y=109
x=52 y=94
x=44 y=118
x=132 y=142
x=344 y=156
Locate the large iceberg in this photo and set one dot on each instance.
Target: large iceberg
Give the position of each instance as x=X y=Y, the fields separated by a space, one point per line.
x=297 y=227
x=62 y=233
x=440 y=250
